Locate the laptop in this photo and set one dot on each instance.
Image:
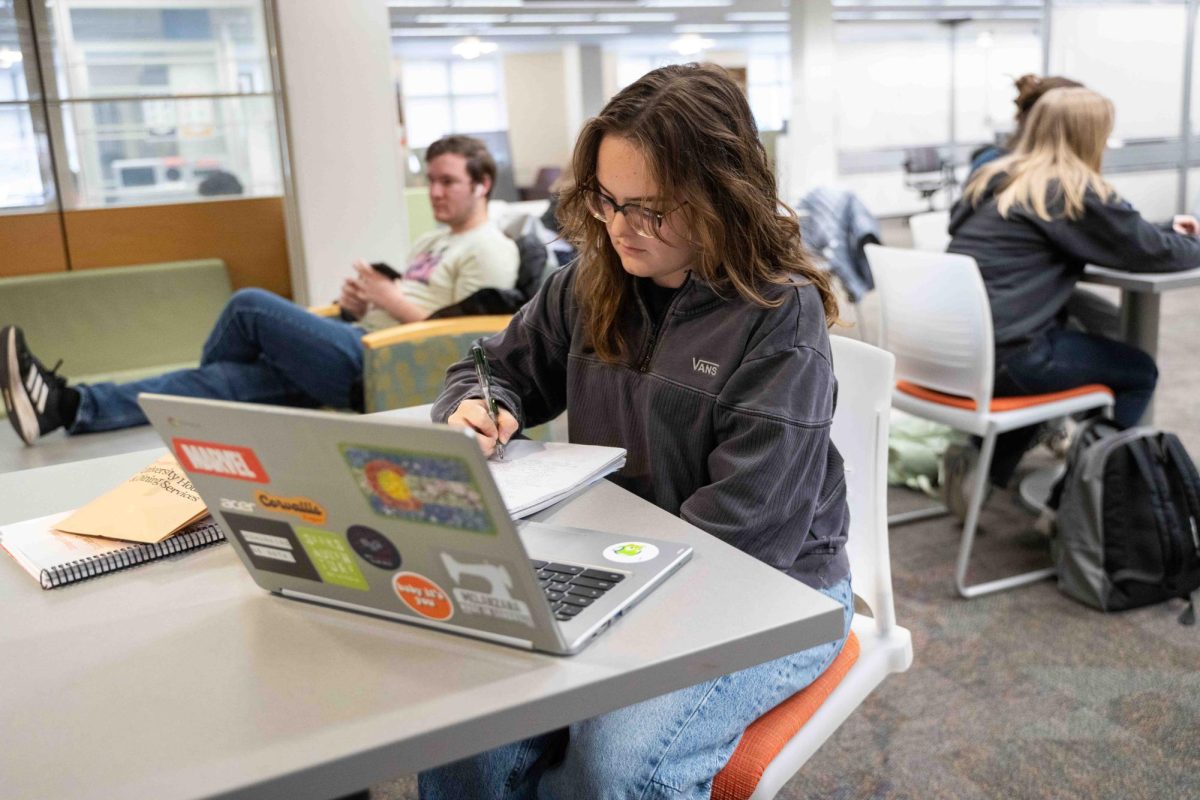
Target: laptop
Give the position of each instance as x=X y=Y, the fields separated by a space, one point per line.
x=400 y=520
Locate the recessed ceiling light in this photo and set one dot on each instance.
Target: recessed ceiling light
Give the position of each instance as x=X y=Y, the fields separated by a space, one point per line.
x=418 y=33
x=715 y=28
x=757 y=16
x=690 y=44
x=461 y=19
x=592 y=30
x=472 y=48
x=636 y=17
x=549 y=18
x=519 y=30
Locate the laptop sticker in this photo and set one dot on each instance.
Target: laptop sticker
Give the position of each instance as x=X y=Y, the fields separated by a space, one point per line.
x=485 y=589
x=302 y=507
x=423 y=596
x=333 y=558
x=238 y=505
x=373 y=547
x=416 y=487
x=631 y=552
x=222 y=460
x=272 y=545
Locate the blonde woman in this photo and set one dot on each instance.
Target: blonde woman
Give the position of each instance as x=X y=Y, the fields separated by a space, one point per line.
x=1032 y=220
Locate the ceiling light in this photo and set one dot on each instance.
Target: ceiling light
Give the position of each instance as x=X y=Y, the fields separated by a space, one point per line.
x=648 y=17
x=717 y=28
x=592 y=30
x=521 y=30
x=685 y=3
x=552 y=19
x=461 y=19
x=757 y=16
x=690 y=44
x=471 y=47
x=421 y=33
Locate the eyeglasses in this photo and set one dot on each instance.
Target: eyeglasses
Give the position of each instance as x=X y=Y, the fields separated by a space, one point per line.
x=642 y=220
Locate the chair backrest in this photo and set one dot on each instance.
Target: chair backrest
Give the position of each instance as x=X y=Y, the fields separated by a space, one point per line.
x=860 y=433
x=406 y=365
x=929 y=230
x=935 y=319
x=919 y=160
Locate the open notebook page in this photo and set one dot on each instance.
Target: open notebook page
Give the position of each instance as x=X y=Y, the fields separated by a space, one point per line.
x=534 y=475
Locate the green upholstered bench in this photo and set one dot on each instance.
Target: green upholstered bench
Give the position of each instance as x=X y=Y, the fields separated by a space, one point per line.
x=119 y=323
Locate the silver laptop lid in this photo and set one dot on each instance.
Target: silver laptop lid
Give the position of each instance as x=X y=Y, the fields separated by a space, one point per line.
x=398 y=519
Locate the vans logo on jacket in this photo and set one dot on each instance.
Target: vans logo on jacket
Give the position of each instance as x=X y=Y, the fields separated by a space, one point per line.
x=705 y=367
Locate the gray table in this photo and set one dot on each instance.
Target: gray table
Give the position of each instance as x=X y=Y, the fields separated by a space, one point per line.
x=1141 y=294
x=182 y=679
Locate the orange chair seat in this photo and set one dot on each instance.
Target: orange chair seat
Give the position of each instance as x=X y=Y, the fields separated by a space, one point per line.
x=999 y=403
x=768 y=734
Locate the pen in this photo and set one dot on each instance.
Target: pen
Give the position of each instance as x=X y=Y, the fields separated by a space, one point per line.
x=485 y=386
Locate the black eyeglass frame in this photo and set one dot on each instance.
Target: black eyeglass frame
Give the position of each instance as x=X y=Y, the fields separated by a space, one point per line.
x=619 y=208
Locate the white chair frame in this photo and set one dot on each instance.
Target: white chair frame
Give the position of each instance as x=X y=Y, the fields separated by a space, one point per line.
x=929 y=230
x=860 y=432
x=936 y=320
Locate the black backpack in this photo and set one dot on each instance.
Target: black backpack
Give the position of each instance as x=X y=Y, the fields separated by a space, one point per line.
x=1128 y=519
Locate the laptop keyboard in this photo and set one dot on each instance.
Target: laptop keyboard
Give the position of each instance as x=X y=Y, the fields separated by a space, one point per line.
x=571 y=588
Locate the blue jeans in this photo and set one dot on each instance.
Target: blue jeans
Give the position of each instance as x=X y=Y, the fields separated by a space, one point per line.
x=263 y=349
x=668 y=747
x=1065 y=359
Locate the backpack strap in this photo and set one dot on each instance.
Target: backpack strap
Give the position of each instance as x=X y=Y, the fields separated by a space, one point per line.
x=1191 y=483
x=1154 y=479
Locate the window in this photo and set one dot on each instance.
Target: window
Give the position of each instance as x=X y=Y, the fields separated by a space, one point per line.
x=768 y=80
x=145 y=102
x=452 y=96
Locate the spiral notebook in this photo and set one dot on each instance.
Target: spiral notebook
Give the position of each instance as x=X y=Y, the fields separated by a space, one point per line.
x=55 y=558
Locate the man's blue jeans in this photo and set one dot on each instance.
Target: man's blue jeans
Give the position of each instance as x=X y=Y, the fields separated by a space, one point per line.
x=263 y=349
x=1065 y=359
x=668 y=747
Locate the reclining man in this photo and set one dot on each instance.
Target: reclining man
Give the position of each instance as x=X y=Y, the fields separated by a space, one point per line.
x=266 y=349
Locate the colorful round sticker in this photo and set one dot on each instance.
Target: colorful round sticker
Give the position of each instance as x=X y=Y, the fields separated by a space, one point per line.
x=374 y=548
x=423 y=596
x=630 y=552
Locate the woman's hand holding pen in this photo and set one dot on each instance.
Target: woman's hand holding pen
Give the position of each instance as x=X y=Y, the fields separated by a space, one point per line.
x=473 y=413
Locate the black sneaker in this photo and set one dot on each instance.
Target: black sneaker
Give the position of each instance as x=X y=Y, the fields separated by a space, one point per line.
x=32 y=393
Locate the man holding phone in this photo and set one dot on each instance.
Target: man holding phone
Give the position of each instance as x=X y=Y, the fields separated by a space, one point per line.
x=267 y=349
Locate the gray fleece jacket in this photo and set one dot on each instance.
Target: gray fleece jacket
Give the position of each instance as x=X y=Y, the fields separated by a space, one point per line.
x=724 y=410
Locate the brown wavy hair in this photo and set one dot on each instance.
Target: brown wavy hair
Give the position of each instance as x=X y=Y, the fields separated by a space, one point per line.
x=693 y=126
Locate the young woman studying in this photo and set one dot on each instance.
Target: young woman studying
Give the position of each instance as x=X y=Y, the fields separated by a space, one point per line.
x=692 y=331
x=1032 y=220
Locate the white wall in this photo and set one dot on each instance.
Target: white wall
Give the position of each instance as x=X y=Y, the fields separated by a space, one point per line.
x=536 y=97
x=344 y=140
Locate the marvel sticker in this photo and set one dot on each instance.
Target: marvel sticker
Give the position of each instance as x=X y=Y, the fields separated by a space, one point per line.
x=423 y=596
x=415 y=487
x=483 y=587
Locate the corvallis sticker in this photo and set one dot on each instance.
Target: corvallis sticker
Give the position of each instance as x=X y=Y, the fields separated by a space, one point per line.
x=302 y=507
x=222 y=460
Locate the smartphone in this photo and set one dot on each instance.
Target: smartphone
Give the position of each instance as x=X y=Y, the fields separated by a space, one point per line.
x=384 y=270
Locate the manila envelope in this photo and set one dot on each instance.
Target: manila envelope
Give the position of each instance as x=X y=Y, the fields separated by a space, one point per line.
x=148 y=507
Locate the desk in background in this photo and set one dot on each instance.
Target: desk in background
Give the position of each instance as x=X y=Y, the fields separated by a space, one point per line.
x=181 y=678
x=1141 y=294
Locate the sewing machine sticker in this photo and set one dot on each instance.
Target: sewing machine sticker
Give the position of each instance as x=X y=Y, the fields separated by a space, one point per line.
x=373 y=547
x=333 y=558
x=484 y=588
x=272 y=545
x=630 y=552
x=423 y=596
x=417 y=487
